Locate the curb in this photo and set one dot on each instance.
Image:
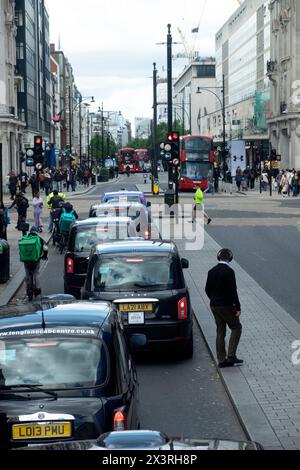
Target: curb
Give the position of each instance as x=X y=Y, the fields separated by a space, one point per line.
x=237 y=399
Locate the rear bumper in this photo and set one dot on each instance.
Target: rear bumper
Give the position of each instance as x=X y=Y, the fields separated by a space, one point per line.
x=162 y=334
x=74 y=281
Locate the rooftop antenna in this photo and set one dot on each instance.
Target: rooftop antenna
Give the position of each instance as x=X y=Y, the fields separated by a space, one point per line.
x=59 y=44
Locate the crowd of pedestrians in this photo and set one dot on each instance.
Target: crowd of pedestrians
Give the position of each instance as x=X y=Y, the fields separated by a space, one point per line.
x=22 y=186
x=286 y=183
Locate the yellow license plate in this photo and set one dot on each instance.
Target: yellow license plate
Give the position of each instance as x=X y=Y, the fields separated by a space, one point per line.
x=41 y=431
x=136 y=307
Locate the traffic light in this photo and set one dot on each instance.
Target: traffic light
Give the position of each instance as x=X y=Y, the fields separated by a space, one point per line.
x=38 y=149
x=173 y=139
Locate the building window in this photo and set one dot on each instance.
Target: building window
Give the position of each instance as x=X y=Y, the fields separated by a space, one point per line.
x=20 y=50
x=206 y=71
x=18 y=18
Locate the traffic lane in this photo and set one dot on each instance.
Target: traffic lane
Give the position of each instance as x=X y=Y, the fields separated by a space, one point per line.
x=185 y=398
x=270 y=256
x=177 y=397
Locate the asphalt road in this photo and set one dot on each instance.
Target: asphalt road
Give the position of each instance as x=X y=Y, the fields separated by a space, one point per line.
x=269 y=254
x=177 y=397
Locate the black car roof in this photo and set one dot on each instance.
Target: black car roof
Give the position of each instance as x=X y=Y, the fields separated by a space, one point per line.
x=78 y=315
x=140 y=246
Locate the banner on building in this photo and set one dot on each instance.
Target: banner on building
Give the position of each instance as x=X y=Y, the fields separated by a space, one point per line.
x=237 y=151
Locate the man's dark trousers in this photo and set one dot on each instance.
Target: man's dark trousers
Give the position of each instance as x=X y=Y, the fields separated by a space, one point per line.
x=225 y=316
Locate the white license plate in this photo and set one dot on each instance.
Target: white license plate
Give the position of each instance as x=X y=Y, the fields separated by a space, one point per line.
x=136 y=318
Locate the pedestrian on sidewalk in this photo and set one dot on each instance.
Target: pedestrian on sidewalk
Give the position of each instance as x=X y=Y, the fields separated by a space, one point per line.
x=22 y=204
x=252 y=178
x=4 y=221
x=47 y=183
x=285 y=185
x=34 y=183
x=199 y=204
x=221 y=289
x=23 y=181
x=12 y=185
x=238 y=177
x=38 y=206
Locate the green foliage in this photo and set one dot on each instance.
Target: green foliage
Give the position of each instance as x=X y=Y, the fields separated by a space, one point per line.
x=109 y=147
x=140 y=143
x=104 y=172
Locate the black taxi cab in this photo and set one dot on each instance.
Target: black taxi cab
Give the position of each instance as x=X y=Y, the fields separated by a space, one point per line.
x=146 y=282
x=84 y=235
x=65 y=373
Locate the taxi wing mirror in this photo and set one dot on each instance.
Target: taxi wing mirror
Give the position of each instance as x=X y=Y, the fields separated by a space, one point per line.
x=148 y=204
x=185 y=264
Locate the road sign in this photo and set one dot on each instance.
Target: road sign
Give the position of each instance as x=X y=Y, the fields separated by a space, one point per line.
x=168 y=156
x=39 y=166
x=29 y=161
x=29 y=152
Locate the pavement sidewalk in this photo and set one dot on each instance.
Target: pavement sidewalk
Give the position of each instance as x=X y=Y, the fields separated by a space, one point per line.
x=266 y=389
x=17 y=272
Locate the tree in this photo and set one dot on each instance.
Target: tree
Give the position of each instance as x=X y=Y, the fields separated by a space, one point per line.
x=96 y=147
x=140 y=143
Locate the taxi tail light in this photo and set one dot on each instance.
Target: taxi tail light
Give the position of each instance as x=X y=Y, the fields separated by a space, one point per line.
x=182 y=309
x=119 y=421
x=70 y=265
x=147 y=235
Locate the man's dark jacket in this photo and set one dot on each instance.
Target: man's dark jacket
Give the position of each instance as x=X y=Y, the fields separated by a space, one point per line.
x=221 y=287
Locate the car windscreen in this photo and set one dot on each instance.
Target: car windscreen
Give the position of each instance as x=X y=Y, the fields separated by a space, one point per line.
x=135 y=272
x=53 y=362
x=84 y=238
x=195 y=170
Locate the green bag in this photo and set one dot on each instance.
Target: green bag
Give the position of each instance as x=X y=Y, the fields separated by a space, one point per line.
x=30 y=249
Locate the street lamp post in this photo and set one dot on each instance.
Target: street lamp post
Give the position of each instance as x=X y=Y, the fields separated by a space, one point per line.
x=176 y=105
x=71 y=112
x=80 y=125
x=154 y=132
x=70 y=127
x=222 y=103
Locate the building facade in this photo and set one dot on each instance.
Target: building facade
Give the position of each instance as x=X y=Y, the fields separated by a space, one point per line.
x=11 y=124
x=142 y=127
x=33 y=62
x=284 y=74
x=242 y=54
x=189 y=105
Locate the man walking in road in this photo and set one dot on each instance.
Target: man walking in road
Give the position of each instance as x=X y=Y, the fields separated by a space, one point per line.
x=199 y=204
x=226 y=308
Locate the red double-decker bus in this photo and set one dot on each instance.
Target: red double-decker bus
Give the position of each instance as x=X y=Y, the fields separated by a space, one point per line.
x=127 y=157
x=196 y=161
x=142 y=157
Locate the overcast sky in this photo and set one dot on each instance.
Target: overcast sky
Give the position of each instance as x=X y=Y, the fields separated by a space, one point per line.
x=111 y=43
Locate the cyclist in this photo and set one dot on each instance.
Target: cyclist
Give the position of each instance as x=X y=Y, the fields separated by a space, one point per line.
x=35 y=250
x=54 y=201
x=68 y=216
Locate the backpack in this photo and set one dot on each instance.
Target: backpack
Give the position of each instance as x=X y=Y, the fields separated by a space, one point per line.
x=66 y=220
x=30 y=249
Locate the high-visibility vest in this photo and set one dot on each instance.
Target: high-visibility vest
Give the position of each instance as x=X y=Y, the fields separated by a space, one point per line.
x=199 y=197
